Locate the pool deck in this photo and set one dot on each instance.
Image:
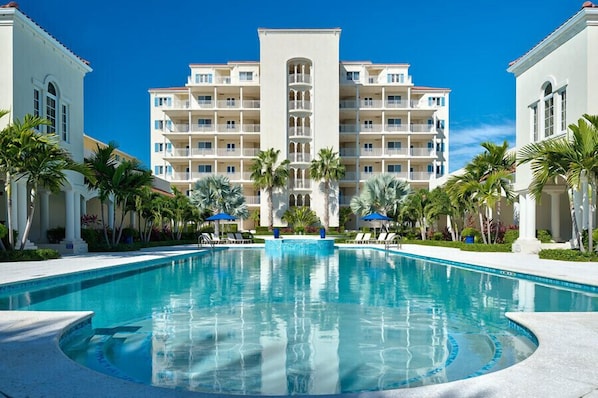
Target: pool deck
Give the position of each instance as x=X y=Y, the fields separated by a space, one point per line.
x=564 y=365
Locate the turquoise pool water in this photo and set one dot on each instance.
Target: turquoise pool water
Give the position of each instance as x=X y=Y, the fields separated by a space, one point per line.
x=243 y=321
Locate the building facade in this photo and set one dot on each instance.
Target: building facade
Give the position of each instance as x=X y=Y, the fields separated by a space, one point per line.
x=299 y=98
x=556 y=84
x=40 y=76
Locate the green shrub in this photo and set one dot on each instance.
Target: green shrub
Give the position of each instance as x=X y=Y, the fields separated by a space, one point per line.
x=470 y=231
x=482 y=247
x=437 y=236
x=567 y=255
x=511 y=236
x=544 y=236
x=55 y=235
x=28 y=255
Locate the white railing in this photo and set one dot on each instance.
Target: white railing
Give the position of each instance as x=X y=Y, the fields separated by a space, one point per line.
x=203 y=152
x=348 y=152
x=400 y=174
x=422 y=152
x=228 y=104
x=299 y=105
x=205 y=104
x=251 y=104
x=370 y=128
x=252 y=200
x=250 y=152
x=347 y=104
x=347 y=128
x=299 y=78
x=251 y=128
x=300 y=184
x=422 y=128
x=420 y=175
x=396 y=127
x=231 y=176
x=298 y=157
x=300 y=131
x=223 y=80
x=370 y=103
x=178 y=128
x=369 y=152
x=396 y=104
x=229 y=128
x=178 y=104
x=235 y=152
x=203 y=128
x=396 y=152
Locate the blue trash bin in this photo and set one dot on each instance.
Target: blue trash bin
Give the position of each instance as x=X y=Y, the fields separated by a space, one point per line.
x=469 y=239
x=276 y=233
x=322 y=233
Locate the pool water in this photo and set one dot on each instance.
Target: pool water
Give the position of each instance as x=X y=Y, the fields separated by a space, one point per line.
x=242 y=321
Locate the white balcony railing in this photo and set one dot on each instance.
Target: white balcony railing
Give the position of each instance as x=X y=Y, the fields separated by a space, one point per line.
x=348 y=104
x=422 y=128
x=396 y=127
x=299 y=78
x=422 y=152
x=300 y=131
x=252 y=200
x=251 y=128
x=205 y=104
x=229 y=128
x=250 y=152
x=347 y=128
x=297 y=157
x=203 y=152
x=300 y=184
x=368 y=103
x=299 y=105
x=348 y=152
x=420 y=175
x=203 y=128
x=394 y=104
x=396 y=151
x=370 y=128
x=251 y=104
x=234 y=104
x=369 y=152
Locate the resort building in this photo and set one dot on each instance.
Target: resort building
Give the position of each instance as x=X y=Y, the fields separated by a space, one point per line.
x=40 y=76
x=299 y=98
x=556 y=84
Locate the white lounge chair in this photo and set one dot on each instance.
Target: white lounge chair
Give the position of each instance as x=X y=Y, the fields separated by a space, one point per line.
x=381 y=237
x=357 y=239
x=367 y=238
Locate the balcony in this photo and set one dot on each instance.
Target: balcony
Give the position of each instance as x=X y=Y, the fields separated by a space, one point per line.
x=396 y=151
x=300 y=132
x=250 y=128
x=230 y=104
x=252 y=200
x=299 y=78
x=229 y=128
x=347 y=129
x=298 y=157
x=299 y=106
x=251 y=104
x=423 y=128
x=300 y=184
x=250 y=152
x=369 y=152
x=370 y=103
x=231 y=176
x=422 y=152
x=420 y=175
x=348 y=152
x=402 y=128
x=348 y=104
x=205 y=104
x=203 y=128
x=396 y=104
x=370 y=128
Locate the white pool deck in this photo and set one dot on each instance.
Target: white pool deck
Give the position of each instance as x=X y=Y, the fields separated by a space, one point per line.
x=564 y=365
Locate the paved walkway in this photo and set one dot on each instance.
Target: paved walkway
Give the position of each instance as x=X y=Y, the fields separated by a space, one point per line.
x=564 y=365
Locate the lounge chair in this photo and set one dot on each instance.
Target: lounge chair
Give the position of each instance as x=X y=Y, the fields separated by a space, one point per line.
x=381 y=238
x=357 y=239
x=205 y=238
x=231 y=238
x=392 y=238
x=239 y=237
x=367 y=238
x=217 y=239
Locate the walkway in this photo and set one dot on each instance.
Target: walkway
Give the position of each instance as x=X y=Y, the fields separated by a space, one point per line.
x=564 y=365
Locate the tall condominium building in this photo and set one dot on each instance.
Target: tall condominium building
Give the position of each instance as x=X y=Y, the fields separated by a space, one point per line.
x=299 y=98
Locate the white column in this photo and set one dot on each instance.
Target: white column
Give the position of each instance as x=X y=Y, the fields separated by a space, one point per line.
x=555 y=221
x=531 y=216
x=22 y=207
x=522 y=216
x=77 y=215
x=527 y=242
x=69 y=202
x=44 y=213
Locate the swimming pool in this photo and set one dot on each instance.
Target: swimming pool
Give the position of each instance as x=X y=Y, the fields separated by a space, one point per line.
x=351 y=320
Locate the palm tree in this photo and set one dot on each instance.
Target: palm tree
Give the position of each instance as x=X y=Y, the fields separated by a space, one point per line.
x=215 y=194
x=300 y=218
x=12 y=155
x=267 y=174
x=383 y=194
x=415 y=205
x=326 y=168
x=575 y=159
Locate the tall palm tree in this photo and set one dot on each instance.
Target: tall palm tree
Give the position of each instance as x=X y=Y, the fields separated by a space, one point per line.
x=215 y=194
x=327 y=168
x=573 y=158
x=44 y=165
x=268 y=174
x=415 y=204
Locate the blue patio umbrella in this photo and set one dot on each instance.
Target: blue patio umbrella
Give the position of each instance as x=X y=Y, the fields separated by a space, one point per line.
x=376 y=217
x=220 y=217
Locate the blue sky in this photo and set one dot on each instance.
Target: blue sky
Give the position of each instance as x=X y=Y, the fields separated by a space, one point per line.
x=463 y=45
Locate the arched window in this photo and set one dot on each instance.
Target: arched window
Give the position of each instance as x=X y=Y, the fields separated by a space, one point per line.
x=51 y=100
x=548 y=111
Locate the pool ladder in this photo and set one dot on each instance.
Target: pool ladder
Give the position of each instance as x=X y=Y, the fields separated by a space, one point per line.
x=204 y=239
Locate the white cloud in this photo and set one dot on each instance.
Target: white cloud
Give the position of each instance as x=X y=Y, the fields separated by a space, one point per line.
x=465 y=141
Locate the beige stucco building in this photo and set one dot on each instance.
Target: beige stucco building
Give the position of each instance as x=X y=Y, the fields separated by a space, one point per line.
x=299 y=98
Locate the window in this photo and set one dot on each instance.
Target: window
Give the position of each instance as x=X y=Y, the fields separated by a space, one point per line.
x=162 y=101
x=169 y=125
x=230 y=124
x=36 y=102
x=158 y=147
x=203 y=78
x=158 y=124
x=368 y=102
x=440 y=147
x=435 y=101
x=534 y=121
x=393 y=144
x=204 y=124
x=230 y=147
x=396 y=78
x=230 y=169
x=430 y=168
x=563 y=95
x=393 y=168
x=64 y=118
x=245 y=76
x=169 y=170
x=168 y=147
x=368 y=169
x=394 y=99
x=158 y=170
x=204 y=99
x=354 y=76
x=230 y=102
x=368 y=147
x=51 y=109
x=367 y=124
x=394 y=124
x=440 y=124
x=204 y=145
x=430 y=145
x=204 y=168
x=548 y=111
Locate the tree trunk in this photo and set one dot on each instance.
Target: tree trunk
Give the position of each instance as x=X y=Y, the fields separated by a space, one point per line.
x=481 y=217
x=104 y=226
x=31 y=210
x=326 y=205
x=576 y=230
x=8 y=190
x=270 y=210
x=590 y=215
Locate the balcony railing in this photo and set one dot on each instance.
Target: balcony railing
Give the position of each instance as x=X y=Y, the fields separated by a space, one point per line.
x=203 y=128
x=300 y=131
x=299 y=78
x=422 y=152
x=229 y=128
x=205 y=104
x=203 y=152
x=298 y=157
x=348 y=104
x=251 y=128
x=348 y=152
x=299 y=105
x=396 y=104
x=396 y=151
x=422 y=128
x=250 y=152
x=300 y=184
x=420 y=175
x=251 y=104
x=396 y=127
x=370 y=128
x=230 y=176
x=347 y=128
x=228 y=104
x=252 y=200
x=369 y=152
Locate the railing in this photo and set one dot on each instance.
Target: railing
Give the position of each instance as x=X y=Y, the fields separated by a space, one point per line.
x=228 y=104
x=370 y=128
x=396 y=152
x=422 y=128
x=399 y=174
x=396 y=127
x=251 y=128
x=347 y=128
x=178 y=104
x=235 y=152
x=203 y=128
x=422 y=152
x=420 y=175
x=369 y=152
x=229 y=128
x=299 y=184
x=300 y=131
x=223 y=80
x=350 y=176
x=348 y=152
x=252 y=200
x=370 y=103
x=299 y=105
x=299 y=78
x=297 y=157
x=177 y=128
x=231 y=176
x=205 y=104
x=347 y=104
x=396 y=104
x=247 y=176
x=251 y=104
x=203 y=152
x=250 y=151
